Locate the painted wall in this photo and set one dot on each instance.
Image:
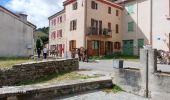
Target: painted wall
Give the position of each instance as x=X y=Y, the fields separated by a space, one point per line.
x=141 y=19
x=55 y=28
x=161 y=30
x=102 y=14
x=161 y=25
x=16 y=37
x=78 y=15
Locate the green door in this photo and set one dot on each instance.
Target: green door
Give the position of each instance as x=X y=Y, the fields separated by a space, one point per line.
x=128 y=47
x=140 y=44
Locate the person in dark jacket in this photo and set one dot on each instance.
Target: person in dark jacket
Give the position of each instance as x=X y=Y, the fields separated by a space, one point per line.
x=39 y=52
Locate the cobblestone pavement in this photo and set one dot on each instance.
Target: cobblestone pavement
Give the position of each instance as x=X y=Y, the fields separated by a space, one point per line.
x=106 y=65
x=101 y=95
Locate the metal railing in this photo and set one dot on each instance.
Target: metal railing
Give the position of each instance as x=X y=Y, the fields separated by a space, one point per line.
x=99 y=32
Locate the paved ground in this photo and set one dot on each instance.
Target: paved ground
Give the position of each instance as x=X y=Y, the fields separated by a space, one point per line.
x=101 y=95
x=106 y=65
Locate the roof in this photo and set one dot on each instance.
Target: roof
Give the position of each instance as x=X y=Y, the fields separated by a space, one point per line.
x=107 y=2
x=123 y=1
x=57 y=14
x=16 y=16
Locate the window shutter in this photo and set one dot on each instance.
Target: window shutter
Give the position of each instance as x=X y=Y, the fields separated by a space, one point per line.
x=69 y=45
x=74 y=46
x=61 y=34
x=109 y=26
x=54 y=34
x=117 y=28
x=63 y=47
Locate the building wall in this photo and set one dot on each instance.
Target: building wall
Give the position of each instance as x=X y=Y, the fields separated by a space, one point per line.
x=141 y=19
x=54 y=28
x=78 y=15
x=102 y=14
x=161 y=25
x=16 y=38
x=160 y=29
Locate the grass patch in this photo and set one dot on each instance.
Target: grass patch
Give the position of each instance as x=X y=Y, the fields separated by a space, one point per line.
x=9 y=62
x=116 y=89
x=55 y=77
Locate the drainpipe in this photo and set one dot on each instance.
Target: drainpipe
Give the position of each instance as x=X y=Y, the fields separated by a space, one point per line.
x=151 y=22
x=137 y=25
x=85 y=23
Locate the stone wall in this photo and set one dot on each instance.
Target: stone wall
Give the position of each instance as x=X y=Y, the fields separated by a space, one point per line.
x=49 y=91
x=36 y=70
x=135 y=81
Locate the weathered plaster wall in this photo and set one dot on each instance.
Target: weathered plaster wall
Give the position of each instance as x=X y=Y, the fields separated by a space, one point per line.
x=16 y=37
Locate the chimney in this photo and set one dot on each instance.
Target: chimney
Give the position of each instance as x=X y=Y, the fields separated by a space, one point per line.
x=23 y=17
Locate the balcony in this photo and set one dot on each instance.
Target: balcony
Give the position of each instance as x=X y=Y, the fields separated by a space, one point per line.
x=96 y=32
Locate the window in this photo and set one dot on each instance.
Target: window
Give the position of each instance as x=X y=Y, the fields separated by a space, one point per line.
x=94 y=5
x=61 y=19
x=130 y=26
x=53 y=35
x=109 y=10
x=54 y=21
x=117 y=45
x=73 y=25
x=117 y=28
x=59 y=33
x=117 y=12
x=75 y=6
x=72 y=44
x=109 y=26
x=95 y=44
x=130 y=9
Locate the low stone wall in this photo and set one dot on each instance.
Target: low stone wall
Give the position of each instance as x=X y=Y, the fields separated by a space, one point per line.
x=50 y=91
x=128 y=79
x=32 y=71
x=146 y=81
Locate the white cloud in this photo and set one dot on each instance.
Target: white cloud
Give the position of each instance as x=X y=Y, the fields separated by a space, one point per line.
x=38 y=11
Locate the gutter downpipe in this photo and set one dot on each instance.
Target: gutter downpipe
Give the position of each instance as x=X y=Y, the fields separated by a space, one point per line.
x=151 y=23
x=137 y=27
x=85 y=24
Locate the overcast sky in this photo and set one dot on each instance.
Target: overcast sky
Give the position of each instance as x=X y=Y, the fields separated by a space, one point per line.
x=38 y=11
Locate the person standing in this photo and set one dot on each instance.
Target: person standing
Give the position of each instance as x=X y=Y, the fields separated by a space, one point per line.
x=39 y=52
x=45 y=52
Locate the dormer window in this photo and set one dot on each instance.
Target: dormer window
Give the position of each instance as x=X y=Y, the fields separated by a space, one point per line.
x=75 y=6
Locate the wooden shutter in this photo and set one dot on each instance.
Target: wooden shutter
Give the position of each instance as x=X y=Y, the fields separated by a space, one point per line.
x=63 y=48
x=74 y=44
x=60 y=33
x=109 y=26
x=117 y=28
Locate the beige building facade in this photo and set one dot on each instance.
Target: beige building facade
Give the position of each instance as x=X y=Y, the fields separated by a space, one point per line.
x=145 y=22
x=16 y=34
x=94 y=25
x=57 y=36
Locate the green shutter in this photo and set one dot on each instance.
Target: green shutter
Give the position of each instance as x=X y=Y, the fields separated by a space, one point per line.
x=130 y=26
x=130 y=9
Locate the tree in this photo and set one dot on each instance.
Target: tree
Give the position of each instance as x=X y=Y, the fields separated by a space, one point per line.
x=38 y=44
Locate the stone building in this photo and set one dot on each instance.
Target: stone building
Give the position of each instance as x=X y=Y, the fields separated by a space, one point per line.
x=16 y=34
x=92 y=24
x=145 y=22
